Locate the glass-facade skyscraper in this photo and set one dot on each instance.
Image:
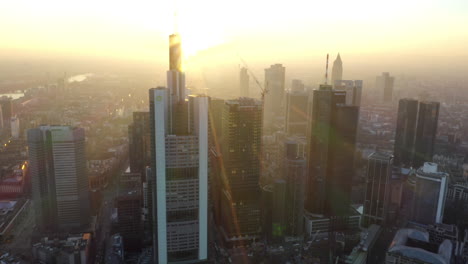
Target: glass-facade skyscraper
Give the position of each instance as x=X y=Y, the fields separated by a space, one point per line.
x=59 y=178
x=179 y=168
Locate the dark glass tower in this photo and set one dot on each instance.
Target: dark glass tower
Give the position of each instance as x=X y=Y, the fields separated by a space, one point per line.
x=377 y=189
x=295 y=171
x=296 y=112
x=426 y=130
x=139 y=142
x=332 y=139
x=415 y=132
x=241 y=152
x=405 y=131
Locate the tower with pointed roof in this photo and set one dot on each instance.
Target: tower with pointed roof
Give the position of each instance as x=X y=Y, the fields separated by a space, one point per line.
x=337 y=70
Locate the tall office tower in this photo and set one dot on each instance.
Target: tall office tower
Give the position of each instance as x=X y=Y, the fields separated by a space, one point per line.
x=429 y=195
x=139 y=133
x=353 y=90
x=15 y=127
x=278 y=212
x=415 y=132
x=337 y=70
x=426 y=130
x=331 y=142
x=59 y=177
x=180 y=173
x=379 y=171
x=296 y=112
x=297 y=85
x=129 y=203
x=405 y=132
x=295 y=174
x=179 y=168
x=274 y=83
x=7 y=110
x=244 y=82
x=215 y=113
x=241 y=152
x=385 y=83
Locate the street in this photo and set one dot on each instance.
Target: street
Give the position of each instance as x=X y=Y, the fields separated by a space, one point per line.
x=103 y=236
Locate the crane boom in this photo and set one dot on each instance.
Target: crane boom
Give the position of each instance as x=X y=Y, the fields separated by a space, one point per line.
x=263 y=89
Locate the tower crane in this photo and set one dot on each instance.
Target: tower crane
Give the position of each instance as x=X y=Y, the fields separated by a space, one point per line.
x=263 y=89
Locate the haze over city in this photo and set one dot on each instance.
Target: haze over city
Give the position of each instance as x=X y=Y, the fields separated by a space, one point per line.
x=421 y=37
x=245 y=132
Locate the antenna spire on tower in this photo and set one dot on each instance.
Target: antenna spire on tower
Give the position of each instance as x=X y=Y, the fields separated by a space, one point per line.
x=326 y=71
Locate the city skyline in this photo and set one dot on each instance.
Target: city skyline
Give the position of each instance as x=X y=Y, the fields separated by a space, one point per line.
x=234 y=132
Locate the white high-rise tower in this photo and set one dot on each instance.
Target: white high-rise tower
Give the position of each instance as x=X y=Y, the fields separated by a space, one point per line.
x=179 y=168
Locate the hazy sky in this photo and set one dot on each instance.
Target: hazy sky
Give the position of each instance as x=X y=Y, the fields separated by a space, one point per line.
x=271 y=29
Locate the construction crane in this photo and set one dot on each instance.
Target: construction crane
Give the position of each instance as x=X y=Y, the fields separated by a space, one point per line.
x=263 y=89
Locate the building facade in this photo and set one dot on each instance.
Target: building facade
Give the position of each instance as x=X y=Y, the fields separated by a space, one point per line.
x=295 y=176
x=405 y=132
x=385 y=83
x=179 y=167
x=379 y=171
x=337 y=69
x=426 y=130
x=244 y=82
x=353 y=90
x=59 y=177
x=430 y=194
x=296 y=112
x=331 y=142
x=275 y=86
x=241 y=155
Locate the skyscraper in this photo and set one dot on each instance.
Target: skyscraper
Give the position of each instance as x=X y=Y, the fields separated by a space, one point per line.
x=241 y=153
x=274 y=83
x=377 y=189
x=244 y=82
x=385 y=83
x=429 y=195
x=295 y=176
x=353 y=90
x=337 y=70
x=426 y=131
x=297 y=85
x=179 y=151
x=7 y=110
x=59 y=177
x=279 y=207
x=331 y=142
x=139 y=133
x=405 y=131
x=415 y=132
x=296 y=112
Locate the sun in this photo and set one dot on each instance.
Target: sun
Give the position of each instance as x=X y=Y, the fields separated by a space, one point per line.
x=195 y=41
x=198 y=32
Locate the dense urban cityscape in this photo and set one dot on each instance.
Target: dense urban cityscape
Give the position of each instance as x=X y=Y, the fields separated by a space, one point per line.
x=107 y=168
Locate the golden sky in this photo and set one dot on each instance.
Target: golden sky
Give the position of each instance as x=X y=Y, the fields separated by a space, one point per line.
x=278 y=29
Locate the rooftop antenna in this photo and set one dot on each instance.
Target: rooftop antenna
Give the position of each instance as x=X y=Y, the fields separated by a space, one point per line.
x=326 y=71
